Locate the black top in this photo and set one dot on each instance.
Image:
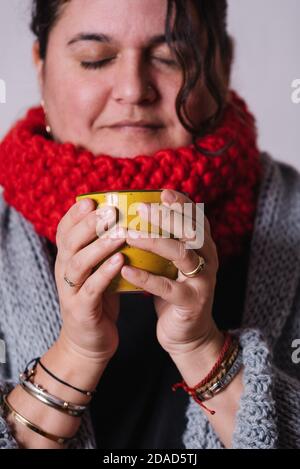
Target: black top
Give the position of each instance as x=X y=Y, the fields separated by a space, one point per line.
x=134 y=406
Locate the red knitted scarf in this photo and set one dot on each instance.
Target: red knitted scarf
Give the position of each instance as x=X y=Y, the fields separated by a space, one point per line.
x=41 y=177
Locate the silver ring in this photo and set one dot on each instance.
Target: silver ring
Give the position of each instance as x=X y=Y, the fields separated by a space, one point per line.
x=200 y=267
x=71 y=284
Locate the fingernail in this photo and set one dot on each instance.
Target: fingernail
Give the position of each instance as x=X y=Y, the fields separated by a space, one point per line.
x=106 y=212
x=128 y=272
x=170 y=196
x=84 y=205
x=115 y=259
x=116 y=232
x=121 y=233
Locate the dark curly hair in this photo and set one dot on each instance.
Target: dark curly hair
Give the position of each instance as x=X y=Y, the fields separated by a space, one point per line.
x=193 y=61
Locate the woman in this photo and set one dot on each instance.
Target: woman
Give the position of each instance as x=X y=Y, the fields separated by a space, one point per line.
x=136 y=95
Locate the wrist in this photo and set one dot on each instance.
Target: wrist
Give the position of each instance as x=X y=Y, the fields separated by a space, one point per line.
x=197 y=360
x=77 y=356
x=70 y=367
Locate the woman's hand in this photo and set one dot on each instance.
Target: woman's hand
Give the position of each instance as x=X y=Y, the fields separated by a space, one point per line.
x=89 y=313
x=183 y=306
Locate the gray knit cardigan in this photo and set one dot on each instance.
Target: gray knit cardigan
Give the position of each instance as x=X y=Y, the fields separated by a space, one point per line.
x=269 y=409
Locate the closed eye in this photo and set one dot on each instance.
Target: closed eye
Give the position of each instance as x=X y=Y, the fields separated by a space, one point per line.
x=97 y=64
x=170 y=62
x=102 y=63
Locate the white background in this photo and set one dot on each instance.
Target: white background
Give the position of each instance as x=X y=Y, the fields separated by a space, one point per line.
x=267 y=36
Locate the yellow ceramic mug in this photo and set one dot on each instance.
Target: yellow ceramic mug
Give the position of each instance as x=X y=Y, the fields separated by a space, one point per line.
x=126 y=204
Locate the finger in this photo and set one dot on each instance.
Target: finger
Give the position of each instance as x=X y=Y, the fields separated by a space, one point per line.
x=98 y=282
x=170 y=197
x=169 y=290
x=74 y=215
x=184 y=259
x=175 y=222
x=107 y=218
x=81 y=265
x=84 y=232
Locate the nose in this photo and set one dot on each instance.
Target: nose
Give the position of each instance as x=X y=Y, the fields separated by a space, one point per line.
x=131 y=83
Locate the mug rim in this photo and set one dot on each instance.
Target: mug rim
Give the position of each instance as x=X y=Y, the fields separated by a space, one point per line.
x=118 y=191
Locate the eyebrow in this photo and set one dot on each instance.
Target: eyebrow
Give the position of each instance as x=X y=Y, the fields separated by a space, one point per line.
x=100 y=37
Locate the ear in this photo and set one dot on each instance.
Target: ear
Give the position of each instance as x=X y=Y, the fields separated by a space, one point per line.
x=39 y=65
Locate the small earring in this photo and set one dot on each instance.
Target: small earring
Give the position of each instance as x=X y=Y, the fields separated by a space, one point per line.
x=48 y=128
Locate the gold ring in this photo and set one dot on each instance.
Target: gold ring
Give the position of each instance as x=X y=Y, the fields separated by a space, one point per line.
x=198 y=269
x=71 y=284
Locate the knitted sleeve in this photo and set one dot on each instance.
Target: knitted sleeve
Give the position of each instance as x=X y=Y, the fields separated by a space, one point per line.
x=7 y=440
x=268 y=415
x=256 y=420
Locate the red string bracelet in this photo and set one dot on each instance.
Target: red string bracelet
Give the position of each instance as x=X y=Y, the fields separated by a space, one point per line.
x=209 y=376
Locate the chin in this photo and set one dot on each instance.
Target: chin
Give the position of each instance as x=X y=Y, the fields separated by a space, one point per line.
x=128 y=143
x=127 y=151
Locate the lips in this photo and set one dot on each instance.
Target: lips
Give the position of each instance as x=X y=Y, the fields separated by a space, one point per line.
x=122 y=126
x=142 y=124
x=134 y=128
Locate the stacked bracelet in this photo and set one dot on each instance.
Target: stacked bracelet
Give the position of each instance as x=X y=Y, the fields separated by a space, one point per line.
x=224 y=381
x=43 y=396
x=37 y=361
x=8 y=409
x=225 y=369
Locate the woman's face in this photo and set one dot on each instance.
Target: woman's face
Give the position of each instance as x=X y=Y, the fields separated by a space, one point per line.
x=109 y=81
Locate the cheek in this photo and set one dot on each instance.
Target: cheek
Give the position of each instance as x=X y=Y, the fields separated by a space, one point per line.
x=169 y=89
x=82 y=97
x=85 y=98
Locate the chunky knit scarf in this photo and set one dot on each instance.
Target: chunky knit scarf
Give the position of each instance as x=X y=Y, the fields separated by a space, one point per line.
x=41 y=177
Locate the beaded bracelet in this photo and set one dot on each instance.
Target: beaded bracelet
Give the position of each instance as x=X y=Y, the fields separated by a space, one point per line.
x=222 y=365
x=224 y=381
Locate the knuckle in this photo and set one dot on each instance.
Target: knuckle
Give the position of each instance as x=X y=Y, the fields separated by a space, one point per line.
x=165 y=286
x=186 y=316
x=97 y=249
x=144 y=277
x=183 y=252
x=73 y=213
x=59 y=233
x=75 y=263
x=90 y=220
x=69 y=244
x=105 y=271
x=89 y=289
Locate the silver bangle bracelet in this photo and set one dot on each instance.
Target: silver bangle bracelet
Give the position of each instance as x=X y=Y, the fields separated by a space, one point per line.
x=43 y=396
x=224 y=381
